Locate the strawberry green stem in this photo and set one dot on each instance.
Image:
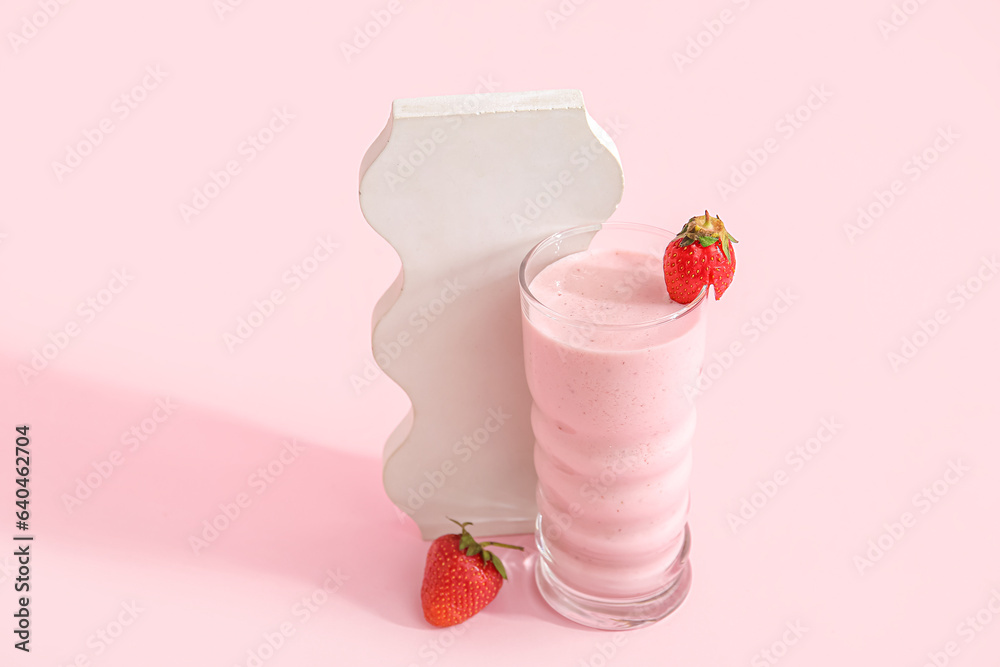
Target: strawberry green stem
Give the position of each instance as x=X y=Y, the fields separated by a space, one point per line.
x=500 y=544
x=471 y=547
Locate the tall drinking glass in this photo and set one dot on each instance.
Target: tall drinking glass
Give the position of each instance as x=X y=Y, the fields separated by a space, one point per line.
x=611 y=364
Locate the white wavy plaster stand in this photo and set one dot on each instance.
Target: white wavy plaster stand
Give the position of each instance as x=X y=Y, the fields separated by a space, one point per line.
x=462 y=187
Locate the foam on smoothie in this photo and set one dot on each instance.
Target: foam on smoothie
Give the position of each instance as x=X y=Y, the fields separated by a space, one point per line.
x=606 y=286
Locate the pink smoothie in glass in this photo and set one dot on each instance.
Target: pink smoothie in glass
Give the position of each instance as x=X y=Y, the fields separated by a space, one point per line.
x=613 y=426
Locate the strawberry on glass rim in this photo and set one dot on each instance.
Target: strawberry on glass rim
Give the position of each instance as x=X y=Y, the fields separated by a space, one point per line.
x=701 y=254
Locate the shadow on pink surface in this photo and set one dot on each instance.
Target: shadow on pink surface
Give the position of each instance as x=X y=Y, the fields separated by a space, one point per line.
x=150 y=478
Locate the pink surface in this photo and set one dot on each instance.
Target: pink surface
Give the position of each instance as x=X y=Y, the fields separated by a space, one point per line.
x=851 y=388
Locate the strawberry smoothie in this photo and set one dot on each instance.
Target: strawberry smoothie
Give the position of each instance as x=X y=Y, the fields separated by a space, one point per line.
x=607 y=356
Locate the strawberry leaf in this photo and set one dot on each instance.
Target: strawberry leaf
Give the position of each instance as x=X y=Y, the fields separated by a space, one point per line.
x=706 y=241
x=499 y=566
x=725 y=248
x=468 y=545
x=685 y=242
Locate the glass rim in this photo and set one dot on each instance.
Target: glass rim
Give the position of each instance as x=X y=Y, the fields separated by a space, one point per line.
x=527 y=294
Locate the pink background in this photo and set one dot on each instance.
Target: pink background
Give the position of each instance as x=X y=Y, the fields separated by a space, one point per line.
x=684 y=128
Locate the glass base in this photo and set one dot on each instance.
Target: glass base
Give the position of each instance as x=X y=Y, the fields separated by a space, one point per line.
x=606 y=614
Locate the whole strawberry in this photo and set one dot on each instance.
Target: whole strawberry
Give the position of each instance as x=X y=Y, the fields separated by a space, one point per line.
x=460 y=577
x=701 y=254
